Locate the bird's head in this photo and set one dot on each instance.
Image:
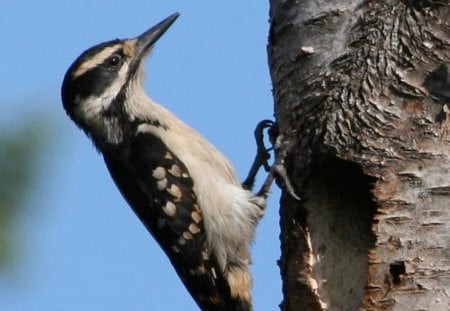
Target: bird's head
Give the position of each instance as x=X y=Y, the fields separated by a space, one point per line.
x=97 y=84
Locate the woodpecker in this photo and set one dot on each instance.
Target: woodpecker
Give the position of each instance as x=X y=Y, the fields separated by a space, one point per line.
x=182 y=188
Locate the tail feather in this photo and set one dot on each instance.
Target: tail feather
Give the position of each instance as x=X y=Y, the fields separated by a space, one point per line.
x=214 y=291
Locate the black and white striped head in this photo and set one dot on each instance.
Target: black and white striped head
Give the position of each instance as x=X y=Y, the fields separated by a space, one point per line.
x=96 y=85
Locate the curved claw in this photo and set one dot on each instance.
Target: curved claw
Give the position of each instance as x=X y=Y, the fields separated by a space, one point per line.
x=262 y=153
x=278 y=170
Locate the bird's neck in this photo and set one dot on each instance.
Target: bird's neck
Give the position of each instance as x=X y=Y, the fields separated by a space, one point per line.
x=118 y=123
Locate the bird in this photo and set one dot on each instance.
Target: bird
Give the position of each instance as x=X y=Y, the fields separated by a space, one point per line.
x=182 y=188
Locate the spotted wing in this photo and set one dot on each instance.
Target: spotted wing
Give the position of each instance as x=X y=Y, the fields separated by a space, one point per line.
x=159 y=188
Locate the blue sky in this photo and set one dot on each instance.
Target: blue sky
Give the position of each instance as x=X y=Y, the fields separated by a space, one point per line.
x=82 y=247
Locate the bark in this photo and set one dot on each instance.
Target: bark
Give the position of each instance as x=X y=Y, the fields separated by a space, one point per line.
x=362 y=98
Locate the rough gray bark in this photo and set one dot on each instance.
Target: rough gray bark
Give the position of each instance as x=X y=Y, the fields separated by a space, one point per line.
x=362 y=94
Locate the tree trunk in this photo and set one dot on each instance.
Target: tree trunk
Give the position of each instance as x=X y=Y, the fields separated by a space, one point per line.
x=362 y=93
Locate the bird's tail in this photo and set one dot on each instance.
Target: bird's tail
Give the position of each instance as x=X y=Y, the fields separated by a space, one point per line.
x=215 y=291
x=240 y=283
x=233 y=292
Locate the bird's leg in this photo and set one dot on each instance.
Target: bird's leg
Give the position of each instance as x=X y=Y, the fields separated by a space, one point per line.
x=262 y=154
x=278 y=169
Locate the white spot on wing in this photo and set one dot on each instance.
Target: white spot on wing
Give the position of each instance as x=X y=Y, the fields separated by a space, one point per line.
x=194 y=228
x=175 y=171
x=175 y=191
x=159 y=173
x=196 y=216
x=161 y=184
x=170 y=209
x=187 y=235
x=168 y=156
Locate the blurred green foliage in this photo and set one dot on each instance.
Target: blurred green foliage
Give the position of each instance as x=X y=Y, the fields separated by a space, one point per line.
x=19 y=157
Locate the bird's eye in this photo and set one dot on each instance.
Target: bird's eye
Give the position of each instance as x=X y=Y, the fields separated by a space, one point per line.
x=113 y=61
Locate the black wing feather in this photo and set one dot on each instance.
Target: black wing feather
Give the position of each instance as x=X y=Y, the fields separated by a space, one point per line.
x=133 y=170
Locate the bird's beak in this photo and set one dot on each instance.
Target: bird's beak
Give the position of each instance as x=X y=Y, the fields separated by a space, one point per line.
x=146 y=40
